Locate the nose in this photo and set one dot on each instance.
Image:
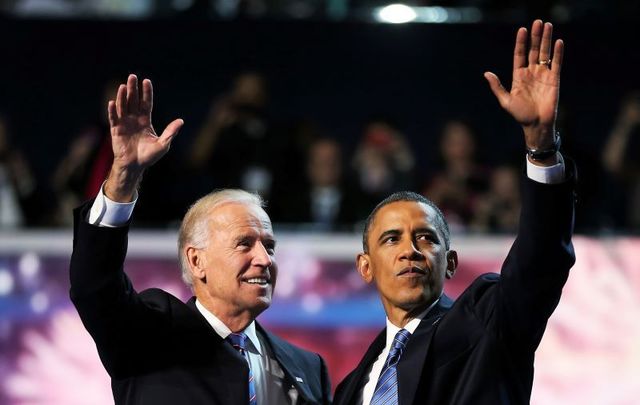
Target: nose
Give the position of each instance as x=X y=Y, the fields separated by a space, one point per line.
x=262 y=257
x=410 y=251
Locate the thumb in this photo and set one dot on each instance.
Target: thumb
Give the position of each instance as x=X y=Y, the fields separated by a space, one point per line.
x=498 y=90
x=171 y=131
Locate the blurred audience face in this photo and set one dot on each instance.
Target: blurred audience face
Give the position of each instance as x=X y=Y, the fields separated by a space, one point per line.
x=109 y=92
x=249 y=89
x=457 y=142
x=324 y=167
x=380 y=136
x=504 y=183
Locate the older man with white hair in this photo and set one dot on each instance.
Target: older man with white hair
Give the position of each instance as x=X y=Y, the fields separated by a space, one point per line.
x=157 y=349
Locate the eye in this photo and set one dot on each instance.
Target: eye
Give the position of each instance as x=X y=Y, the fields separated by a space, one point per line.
x=426 y=237
x=390 y=239
x=270 y=246
x=245 y=243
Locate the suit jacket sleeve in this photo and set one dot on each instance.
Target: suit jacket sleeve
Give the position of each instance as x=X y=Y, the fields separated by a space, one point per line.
x=536 y=267
x=107 y=303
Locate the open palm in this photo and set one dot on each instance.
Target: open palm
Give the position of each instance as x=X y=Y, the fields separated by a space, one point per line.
x=535 y=89
x=136 y=146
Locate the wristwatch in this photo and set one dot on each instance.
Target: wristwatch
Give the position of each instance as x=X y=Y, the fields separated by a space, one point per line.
x=542 y=154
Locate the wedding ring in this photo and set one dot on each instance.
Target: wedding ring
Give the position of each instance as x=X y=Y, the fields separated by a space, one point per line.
x=544 y=62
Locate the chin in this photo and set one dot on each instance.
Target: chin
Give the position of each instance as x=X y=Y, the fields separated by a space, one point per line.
x=416 y=301
x=261 y=304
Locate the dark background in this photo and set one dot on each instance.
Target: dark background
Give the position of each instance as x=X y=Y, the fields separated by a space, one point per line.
x=334 y=74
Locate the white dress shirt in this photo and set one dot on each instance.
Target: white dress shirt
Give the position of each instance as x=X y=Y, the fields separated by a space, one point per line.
x=268 y=376
x=376 y=368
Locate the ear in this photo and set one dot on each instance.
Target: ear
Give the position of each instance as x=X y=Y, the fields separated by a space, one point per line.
x=452 y=263
x=196 y=261
x=363 y=266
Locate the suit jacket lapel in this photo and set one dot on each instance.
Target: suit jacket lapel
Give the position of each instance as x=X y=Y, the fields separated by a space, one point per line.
x=287 y=362
x=413 y=359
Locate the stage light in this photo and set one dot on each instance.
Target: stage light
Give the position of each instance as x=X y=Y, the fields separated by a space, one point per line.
x=29 y=266
x=396 y=14
x=6 y=282
x=400 y=13
x=39 y=302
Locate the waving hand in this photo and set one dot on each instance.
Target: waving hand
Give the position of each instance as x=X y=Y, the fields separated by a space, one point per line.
x=535 y=89
x=136 y=146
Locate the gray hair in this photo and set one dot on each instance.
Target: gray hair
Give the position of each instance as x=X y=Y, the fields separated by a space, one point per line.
x=194 y=229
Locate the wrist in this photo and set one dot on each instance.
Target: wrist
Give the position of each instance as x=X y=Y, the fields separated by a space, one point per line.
x=540 y=137
x=122 y=183
x=547 y=156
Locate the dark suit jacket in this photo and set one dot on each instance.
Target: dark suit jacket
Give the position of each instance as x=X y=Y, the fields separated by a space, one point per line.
x=480 y=349
x=159 y=350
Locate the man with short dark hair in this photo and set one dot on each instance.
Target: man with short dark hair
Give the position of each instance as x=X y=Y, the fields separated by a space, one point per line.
x=479 y=349
x=157 y=349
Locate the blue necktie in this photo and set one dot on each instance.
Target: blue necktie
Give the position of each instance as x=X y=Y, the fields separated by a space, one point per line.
x=238 y=341
x=386 y=392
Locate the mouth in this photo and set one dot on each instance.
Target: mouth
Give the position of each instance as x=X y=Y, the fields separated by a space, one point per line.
x=260 y=280
x=413 y=271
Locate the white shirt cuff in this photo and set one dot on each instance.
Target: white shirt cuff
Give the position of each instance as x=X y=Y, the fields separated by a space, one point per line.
x=546 y=174
x=110 y=214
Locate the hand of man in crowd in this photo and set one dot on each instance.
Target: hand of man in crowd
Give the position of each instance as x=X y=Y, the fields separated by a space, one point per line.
x=533 y=99
x=136 y=146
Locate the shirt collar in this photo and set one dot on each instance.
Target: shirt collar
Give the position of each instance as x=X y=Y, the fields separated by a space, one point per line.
x=223 y=330
x=411 y=326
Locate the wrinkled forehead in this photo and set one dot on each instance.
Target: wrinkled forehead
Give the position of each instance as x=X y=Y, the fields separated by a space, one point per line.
x=404 y=215
x=240 y=215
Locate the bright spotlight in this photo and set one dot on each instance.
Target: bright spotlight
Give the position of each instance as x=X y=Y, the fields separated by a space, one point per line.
x=396 y=14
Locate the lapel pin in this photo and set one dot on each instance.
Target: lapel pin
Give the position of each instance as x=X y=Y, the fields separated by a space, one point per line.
x=298 y=379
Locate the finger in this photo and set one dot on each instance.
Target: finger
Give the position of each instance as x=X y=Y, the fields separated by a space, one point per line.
x=498 y=89
x=112 y=113
x=147 y=97
x=171 y=131
x=545 y=45
x=121 y=99
x=534 y=47
x=133 y=99
x=558 y=55
x=520 y=51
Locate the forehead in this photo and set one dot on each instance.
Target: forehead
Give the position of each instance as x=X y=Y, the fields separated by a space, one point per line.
x=236 y=216
x=403 y=214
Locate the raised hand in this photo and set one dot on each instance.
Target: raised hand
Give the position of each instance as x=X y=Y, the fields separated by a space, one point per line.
x=533 y=99
x=136 y=146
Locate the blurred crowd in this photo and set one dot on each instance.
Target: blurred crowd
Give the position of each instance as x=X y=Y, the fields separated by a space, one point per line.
x=313 y=181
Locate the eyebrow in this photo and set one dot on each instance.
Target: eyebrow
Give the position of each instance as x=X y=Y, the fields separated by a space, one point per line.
x=390 y=232
x=252 y=237
x=396 y=232
x=429 y=231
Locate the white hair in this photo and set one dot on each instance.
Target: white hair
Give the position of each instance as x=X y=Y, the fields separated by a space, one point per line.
x=194 y=230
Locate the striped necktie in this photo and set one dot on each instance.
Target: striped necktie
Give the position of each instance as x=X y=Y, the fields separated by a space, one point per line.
x=238 y=341
x=386 y=392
